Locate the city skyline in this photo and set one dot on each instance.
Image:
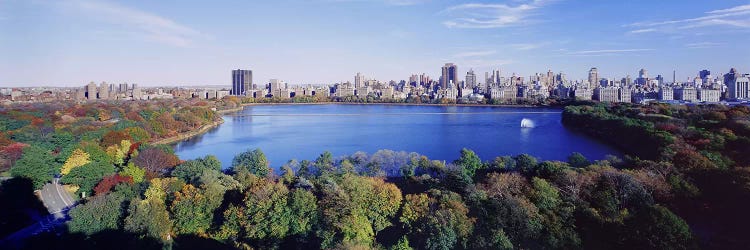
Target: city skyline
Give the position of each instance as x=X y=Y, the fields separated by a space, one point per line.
x=70 y=43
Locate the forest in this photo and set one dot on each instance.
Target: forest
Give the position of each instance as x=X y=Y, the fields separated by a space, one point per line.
x=682 y=185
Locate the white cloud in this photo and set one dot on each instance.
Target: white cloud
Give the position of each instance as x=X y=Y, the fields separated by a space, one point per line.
x=735 y=17
x=147 y=25
x=527 y=46
x=642 y=31
x=475 y=53
x=606 y=52
x=482 y=16
x=387 y=2
x=703 y=45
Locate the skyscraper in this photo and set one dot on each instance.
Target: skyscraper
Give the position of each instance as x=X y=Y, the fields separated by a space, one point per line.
x=91 y=91
x=104 y=91
x=359 y=79
x=704 y=74
x=471 y=79
x=593 y=77
x=242 y=81
x=450 y=74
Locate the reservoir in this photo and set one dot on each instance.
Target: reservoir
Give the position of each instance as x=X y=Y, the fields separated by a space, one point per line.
x=302 y=132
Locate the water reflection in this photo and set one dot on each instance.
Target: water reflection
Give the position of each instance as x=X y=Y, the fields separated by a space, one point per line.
x=436 y=131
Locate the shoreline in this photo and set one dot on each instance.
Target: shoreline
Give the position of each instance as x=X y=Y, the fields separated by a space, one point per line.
x=205 y=128
x=190 y=134
x=398 y=104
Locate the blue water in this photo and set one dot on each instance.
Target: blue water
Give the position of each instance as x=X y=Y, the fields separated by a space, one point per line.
x=300 y=132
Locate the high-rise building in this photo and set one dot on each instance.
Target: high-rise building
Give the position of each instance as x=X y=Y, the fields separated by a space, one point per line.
x=593 y=77
x=704 y=74
x=91 y=91
x=104 y=91
x=471 y=79
x=738 y=86
x=450 y=75
x=242 y=81
x=359 y=80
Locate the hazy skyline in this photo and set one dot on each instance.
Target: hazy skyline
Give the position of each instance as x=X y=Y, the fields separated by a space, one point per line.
x=73 y=42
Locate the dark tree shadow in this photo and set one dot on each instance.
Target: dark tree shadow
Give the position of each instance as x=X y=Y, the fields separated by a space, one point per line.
x=110 y=239
x=20 y=207
x=196 y=242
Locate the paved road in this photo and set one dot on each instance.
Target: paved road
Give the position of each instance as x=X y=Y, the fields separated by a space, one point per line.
x=58 y=202
x=55 y=198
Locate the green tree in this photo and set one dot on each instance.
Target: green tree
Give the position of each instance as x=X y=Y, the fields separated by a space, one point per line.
x=100 y=213
x=268 y=213
x=87 y=176
x=303 y=208
x=191 y=212
x=658 y=228
x=138 y=174
x=324 y=163
x=577 y=160
x=469 y=162
x=557 y=216
x=251 y=161
x=190 y=171
x=442 y=223
x=149 y=217
x=35 y=164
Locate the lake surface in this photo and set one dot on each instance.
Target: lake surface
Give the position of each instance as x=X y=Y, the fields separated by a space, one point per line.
x=300 y=132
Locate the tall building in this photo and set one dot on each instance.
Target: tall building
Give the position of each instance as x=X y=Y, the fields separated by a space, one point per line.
x=104 y=91
x=704 y=74
x=359 y=79
x=593 y=77
x=642 y=77
x=738 y=86
x=91 y=91
x=450 y=75
x=242 y=81
x=471 y=79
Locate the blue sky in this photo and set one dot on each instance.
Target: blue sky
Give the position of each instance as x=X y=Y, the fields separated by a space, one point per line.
x=170 y=42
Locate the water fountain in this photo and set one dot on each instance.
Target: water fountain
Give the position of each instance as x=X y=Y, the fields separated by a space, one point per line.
x=527 y=123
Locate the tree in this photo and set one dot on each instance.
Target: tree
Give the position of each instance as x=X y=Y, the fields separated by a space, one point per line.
x=100 y=213
x=36 y=164
x=402 y=244
x=469 y=162
x=324 y=163
x=268 y=213
x=557 y=216
x=526 y=163
x=341 y=219
x=377 y=200
x=658 y=228
x=119 y=153
x=303 y=212
x=577 y=160
x=114 y=138
x=136 y=173
x=191 y=212
x=156 y=161
x=190 y=171
x=251 y=161
x=442 y=223
x=149 y=217
x=77 y=158
x=109 y=182
x=87 y=176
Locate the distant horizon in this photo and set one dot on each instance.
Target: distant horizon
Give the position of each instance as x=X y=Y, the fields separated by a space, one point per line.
x=69 y=43
x=480 y=79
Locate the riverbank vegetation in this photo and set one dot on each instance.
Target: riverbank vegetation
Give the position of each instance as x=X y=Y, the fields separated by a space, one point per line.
x=683 y=186
x=705 y=147
x=393 y=200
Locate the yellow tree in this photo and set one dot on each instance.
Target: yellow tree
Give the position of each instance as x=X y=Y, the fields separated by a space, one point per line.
x=77 y=158
x=118 y=153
